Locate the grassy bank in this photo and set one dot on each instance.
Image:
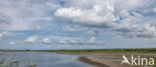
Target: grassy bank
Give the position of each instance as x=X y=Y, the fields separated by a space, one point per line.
x=15 y=63
x=152 y=50
x=92 y=56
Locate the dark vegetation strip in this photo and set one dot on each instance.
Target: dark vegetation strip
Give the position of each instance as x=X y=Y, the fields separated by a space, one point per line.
x=151 y=50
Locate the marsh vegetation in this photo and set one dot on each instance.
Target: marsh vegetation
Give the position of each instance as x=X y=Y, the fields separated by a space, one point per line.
x=14 y=63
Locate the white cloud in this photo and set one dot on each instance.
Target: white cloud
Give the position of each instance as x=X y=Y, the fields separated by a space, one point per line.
x=120 y=16
x=86 y=17
x=46 y=41
x=63 y=42
x=2 y=34
x=154 y=9
x=12 y=42
x=31 y=39
x=73 y=42
x=92 y=40
x=38 y=27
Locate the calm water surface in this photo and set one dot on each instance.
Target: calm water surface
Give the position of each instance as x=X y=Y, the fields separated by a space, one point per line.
x=42 y=59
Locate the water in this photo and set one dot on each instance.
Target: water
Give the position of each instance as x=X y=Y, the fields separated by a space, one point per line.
x=42 y=59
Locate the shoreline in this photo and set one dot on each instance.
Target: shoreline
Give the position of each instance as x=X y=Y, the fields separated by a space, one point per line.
x=100 y=58
x=105 y=61
x=90 y=62
x=102 y=62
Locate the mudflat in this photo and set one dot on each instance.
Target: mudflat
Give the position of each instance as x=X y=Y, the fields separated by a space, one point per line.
x=109 y=60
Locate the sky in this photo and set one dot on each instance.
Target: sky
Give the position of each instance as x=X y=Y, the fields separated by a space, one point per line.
x=77 y=24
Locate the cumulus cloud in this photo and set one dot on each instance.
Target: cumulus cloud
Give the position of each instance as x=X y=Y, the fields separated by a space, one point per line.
x=92 y=40
x=146 y=31
x=12 y=42
x=73 y=42
x=2 y=34
x=38 y=27
x=31 y=39
x=154 y=9
x=121 y=16
x=46 y=41
x=86 y=17
x=63 y=42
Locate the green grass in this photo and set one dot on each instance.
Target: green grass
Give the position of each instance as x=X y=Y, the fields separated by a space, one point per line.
x=151 y=50
x=17 y=63
x=14 y=63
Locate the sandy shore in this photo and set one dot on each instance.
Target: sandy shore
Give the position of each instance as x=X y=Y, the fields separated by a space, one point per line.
x=105 y=61
x=93 y=63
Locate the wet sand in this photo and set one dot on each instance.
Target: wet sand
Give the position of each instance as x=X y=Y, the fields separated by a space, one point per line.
x=93 y=63
x=102 y=62
x=105 y=61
